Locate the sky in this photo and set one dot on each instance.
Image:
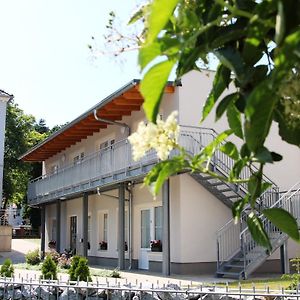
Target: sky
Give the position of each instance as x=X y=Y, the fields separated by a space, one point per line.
x=45 y=61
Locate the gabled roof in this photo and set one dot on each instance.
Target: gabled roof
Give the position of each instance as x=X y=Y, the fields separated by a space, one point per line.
x=3 y=94
x=117 y=105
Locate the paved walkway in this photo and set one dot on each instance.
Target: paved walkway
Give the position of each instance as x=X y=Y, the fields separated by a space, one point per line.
x=19 y=247
x=137 y=277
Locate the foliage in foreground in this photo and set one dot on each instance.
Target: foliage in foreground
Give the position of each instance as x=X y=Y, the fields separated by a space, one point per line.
x=49 y=268
x=7 y=269
x=33 y=257
x=295 y=277
x=79 y=269
x=257 y=44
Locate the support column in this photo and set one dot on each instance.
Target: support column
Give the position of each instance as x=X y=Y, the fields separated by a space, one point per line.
x=121 y=225
x=58 y=224
x=85 y=217
x=43 y=230
x=284 y=258
x=166 y=229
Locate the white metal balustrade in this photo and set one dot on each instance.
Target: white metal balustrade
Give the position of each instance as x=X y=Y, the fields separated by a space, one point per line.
x=115 y=163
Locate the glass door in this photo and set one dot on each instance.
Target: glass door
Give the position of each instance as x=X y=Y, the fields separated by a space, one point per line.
x=145 y=239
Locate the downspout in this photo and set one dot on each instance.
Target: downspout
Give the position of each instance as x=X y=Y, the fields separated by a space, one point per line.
x=112 y=122
x=129 y=189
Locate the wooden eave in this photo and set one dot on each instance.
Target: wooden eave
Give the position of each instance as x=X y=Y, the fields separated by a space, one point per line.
x=119 y=104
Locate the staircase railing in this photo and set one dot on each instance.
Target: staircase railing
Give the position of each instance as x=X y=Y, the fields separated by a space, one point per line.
x=252 y=252
x=193 y=139
x=231 y=230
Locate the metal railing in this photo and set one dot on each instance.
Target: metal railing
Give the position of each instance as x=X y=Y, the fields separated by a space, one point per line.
x=24 y=288
x=118 y=158
x=232 y=229
x=253 y=254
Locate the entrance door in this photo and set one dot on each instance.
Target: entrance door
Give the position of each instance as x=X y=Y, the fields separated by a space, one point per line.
x=145 y=239
x=73 y=233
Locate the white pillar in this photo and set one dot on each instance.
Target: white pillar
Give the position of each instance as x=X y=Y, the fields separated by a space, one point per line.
x=3 y=103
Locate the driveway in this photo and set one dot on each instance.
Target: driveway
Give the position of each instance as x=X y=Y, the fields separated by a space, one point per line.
x=19 y=248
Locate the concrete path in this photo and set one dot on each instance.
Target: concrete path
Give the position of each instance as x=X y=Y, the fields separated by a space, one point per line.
x=19 y=248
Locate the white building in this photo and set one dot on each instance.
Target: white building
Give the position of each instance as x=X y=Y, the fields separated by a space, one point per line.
x=4 y=98
x=93 y=201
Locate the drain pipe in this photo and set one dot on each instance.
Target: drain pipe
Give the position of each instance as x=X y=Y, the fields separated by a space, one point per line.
x=112 y=122
x=129 y=189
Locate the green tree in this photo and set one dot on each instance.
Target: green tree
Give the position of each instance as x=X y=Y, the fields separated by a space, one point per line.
x=20 y=135
x=257 y=44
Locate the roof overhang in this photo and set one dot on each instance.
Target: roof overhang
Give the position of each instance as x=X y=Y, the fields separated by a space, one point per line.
x=114 y=107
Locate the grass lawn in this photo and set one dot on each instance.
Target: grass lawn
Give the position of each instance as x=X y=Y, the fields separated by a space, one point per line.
x=93 y=271
x=275 y=283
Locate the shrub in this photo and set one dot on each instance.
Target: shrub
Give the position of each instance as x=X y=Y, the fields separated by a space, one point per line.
x=294 y=278
x=33 y=257
x=54 y=255
x=7 y=269
x=115 y=273
x=79 y=269
x=49 y=268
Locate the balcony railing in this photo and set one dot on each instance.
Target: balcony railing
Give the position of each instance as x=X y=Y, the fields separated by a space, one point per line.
x=115 y=164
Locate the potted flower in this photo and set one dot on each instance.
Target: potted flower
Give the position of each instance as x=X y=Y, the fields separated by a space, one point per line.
x=125 y=246
x=103 y=245
x=156 y=246
x=52 y=244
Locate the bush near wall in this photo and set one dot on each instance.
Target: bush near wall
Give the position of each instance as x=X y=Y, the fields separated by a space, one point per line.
x=33 y=257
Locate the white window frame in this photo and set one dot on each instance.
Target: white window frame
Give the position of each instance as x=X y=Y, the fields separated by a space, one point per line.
x=152 y=223
x=101 y=229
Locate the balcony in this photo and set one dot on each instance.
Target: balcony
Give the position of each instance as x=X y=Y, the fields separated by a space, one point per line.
x=114 y=164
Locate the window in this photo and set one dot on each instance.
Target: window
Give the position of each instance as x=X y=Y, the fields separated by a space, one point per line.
x=105 y=223
x=53 y=169
x=78 y=158
x=151 y=225
x=158 y=223
x=53 y=230
x=103 y=230
x=145 y=228
x=107 y=143
x=89 y=229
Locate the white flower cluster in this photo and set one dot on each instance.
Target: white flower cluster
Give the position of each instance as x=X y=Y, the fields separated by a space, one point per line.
x=162 y=136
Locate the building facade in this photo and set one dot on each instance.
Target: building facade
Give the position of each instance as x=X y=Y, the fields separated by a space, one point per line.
x=93 y=200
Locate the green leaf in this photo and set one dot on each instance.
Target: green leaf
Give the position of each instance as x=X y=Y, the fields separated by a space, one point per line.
x=221 y=81
x=147 y=53
x=237 y=168
x=230 y=149
x=258 y=232
x=259 y=111
x=162 y=171
x=284 y=221
x=160 y=12
x=276 y=156
x=263 y=155
x=245 y=151
x=152 y=87
x=210 y=148
x=224 y=104
x=139 y=14
x=238 y=207
x=232 y=59
x=234 y=120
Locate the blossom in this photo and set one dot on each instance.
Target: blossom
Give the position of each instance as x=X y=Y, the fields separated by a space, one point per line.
x=162 y=136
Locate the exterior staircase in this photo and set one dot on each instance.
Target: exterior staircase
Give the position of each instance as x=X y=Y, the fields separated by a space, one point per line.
x=238 y=254
x=246 y=255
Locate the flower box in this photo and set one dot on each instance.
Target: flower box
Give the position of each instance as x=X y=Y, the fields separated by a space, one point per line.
x=103 y=245
x=156 y=246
